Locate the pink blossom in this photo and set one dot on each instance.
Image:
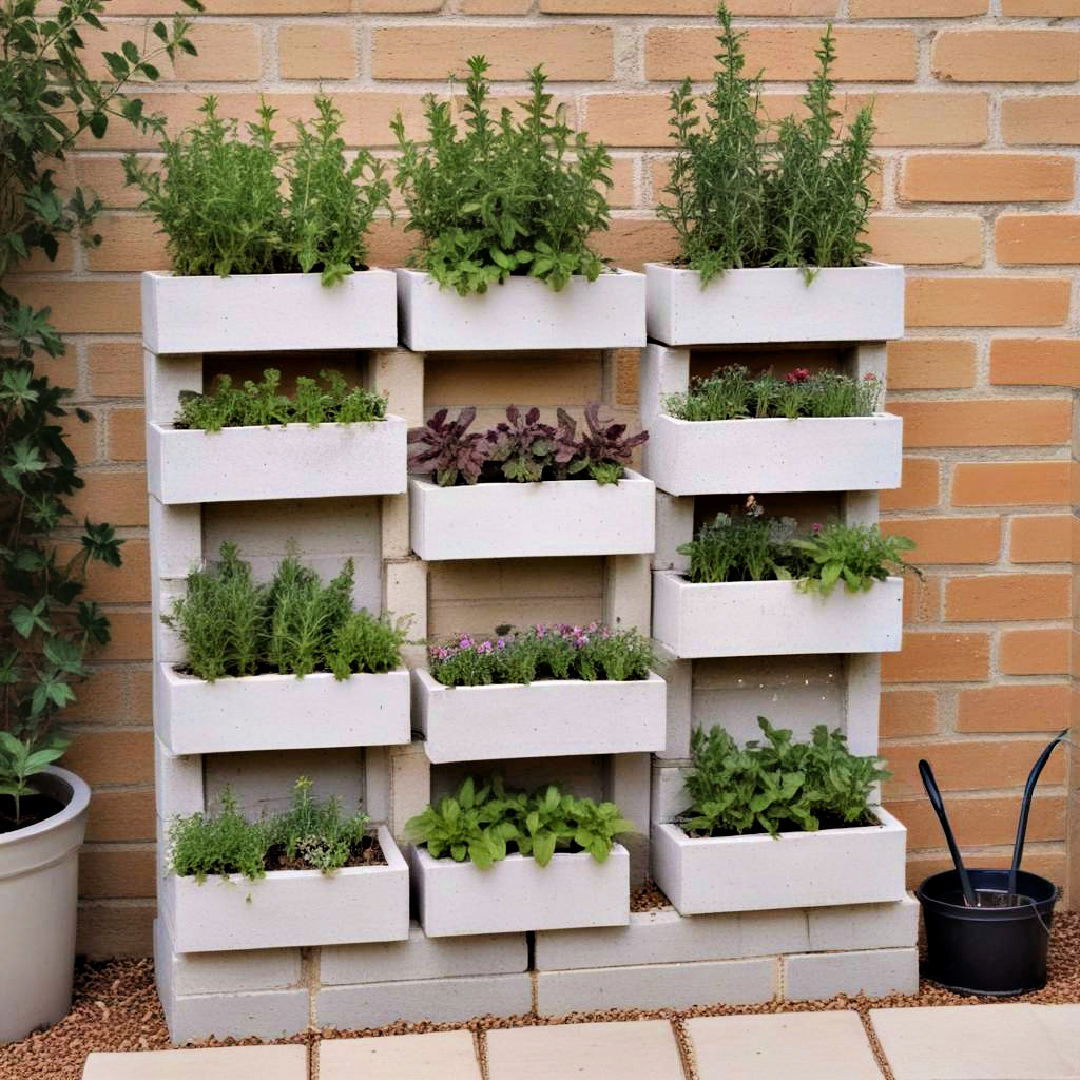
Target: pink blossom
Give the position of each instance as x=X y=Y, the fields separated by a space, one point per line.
x=799 y=375
x=816 y=527
x=869 y=377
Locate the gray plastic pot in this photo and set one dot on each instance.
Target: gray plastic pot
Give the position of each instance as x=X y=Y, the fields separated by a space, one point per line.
x=39 y=893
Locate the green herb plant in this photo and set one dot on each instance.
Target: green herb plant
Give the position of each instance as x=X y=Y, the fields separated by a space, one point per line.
x=502 y=195
x=857 y=555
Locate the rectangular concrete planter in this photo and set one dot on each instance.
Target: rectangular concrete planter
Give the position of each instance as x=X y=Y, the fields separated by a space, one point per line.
x=773 y=618
x=280 y=712
x=454 y=899
x=523 y=313
x=764 y=305
x=856 y=453
x=268 y=312
x=291 y=907
x=522 y=521
x=862 y=865
x=285 y=461
x=548 y=718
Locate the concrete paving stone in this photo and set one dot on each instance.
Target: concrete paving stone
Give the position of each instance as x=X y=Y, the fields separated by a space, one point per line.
x=972 y=1042
x=447 y=1055
x=211 y=1063
x=873 y=972
x=1062 y=1025
x=795 y=1046
x=635 y=1050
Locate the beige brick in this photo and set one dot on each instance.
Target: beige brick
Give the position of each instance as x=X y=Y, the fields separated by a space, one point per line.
x=116 y=496
x=104 y=176
x=129 y=242
x=1053 y=120
x=1030 y=239
x=112 y=757
x=969 y=764
x=227 y=52
x=1028 y=422
x=987 y=301
x=121 y=816
x=88 y=307
x=396 y=7
x=116 y=929
x=987 y=177
x=116 y=370
x=673 y=8
x=1047 y=8
x=927 y=241
x=981 y=820
x=495 y=7
x=117 y=873
x=1006 y=55
x=931 y=364
x=317 y=51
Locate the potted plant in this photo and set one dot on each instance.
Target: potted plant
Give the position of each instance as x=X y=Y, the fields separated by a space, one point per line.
x=254 y=442
x=779 y=824
x=542 y=692
x=283 y=666
x=490 y=861
x=769 y=218
x=756 y=587
x=308 y=876
x=258 y=265
x=505 y=209
x=527 y=489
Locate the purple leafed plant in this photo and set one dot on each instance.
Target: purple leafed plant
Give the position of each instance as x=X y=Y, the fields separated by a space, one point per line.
x=522 y=444
x=447 y=451
x=605 y=447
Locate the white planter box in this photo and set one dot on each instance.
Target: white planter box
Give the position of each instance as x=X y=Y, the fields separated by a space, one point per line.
x=857 y=453
x=530 y=521
x=291 y=907
x=523 y=313
x=864 y=865
x=455 y=899
x=280 y=712
x=285 y=461
x=859 y=303
x=268 y=312
x=548 y=718
x=773 y=618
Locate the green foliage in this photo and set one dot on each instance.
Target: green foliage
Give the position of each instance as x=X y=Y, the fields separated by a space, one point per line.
x=483 y=823
x=746 y=547
x=218 y=197
x=745 y=194
x=779 y=785
x=23 y=759
x=314 y=834
x=294 y=625
x=503 y=196
x=857 y=555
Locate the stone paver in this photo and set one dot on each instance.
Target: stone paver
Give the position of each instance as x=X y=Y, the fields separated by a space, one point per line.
x=445 y=1055
x=212 y=1063
x=795 y=1046
x=974 y=1042
x=635 y=1050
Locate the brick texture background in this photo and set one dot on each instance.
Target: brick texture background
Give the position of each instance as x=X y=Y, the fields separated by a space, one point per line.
x=978 y=113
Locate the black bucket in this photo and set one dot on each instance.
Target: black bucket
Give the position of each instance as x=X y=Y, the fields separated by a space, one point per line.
x=998 y=950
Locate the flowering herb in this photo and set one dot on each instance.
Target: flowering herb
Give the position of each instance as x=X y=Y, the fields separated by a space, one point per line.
x=559 y=651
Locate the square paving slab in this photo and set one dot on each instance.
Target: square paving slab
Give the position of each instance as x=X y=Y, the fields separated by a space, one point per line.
x=636 y=1050
x=212 y=1063
x=794 y=1046
x=442 y=1055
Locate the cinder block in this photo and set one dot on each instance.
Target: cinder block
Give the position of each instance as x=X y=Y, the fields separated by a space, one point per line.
x=410 y=785
x=395 y=527
x=628 y=592
x=442 y=1001
x=674 y=527
x=165 y=378
x=656 y=986
x=175 y=539
x=178 y=782
x=865 y=926
x=874 y=972
x=422 y=957
x=669 y=795
x=679 y=676
x=405 y=594
x=265 y=1014
x=629 y=787
x=399 y=374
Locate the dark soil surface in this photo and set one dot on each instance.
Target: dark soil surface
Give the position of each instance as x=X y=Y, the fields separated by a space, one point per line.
x=369 y=854
x=33 y=810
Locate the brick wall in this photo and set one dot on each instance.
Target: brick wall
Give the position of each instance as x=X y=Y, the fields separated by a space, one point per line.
x=978 y=114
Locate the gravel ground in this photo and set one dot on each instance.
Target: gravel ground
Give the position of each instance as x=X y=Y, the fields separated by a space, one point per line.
x=116 y=1008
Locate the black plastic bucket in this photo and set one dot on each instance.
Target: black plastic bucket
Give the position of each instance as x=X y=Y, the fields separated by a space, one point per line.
x=997 y=950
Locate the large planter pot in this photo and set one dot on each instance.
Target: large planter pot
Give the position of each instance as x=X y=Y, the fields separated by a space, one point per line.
x=547 y=718
x=523 y=521
x=760 y=306
x=280 y=712
x=39 y=892
x=284 y=461
x=268 y=312
x=856 y=453
x=863 y=865
x=523 y=313
x=456 y=899
x=774 y=618
x=290 y=907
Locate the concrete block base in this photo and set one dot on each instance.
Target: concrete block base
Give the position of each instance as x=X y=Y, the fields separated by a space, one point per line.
x=873 y=972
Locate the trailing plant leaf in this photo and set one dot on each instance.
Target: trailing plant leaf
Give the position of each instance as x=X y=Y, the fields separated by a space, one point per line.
x=448 y=451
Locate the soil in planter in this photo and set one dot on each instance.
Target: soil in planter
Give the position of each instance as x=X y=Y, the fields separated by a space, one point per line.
x=825 y=822
x=34 y=810
x=369 y=853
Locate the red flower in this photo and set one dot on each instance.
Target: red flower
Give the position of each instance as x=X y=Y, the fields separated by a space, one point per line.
x=799 y=375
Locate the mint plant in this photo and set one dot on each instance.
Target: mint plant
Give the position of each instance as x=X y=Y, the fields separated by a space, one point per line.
x=502 y=196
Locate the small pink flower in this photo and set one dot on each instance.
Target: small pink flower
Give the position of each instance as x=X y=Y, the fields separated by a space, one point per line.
x=465 y=642
x=869 y=377
x=816 y=527
x=799 y=375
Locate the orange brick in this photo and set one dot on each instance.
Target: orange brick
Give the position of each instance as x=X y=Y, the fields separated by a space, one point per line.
x=949 y=540
x=1006 y=56
x=624 y=194
x=127 y=435
x=116 y=370
x=626 y=377
x=130 y=636
x=1030 y=239
x=1047 y=8
x=129 y=242
x=102 y=698
x=1034 y=652
x=918 y=118
x=920 y=486
x=495 y=7
x=316 y=51
x=908 y=712
x=927 y=241
x=104 y=176
x=81 y=436
x=112 y=757
x=1011 y=483
x=784 y=53
x=118 y=497
x=1039 y=860
x=116 y=872
x=986 y=177
x=777 y=8
x=121 y=816
x=1027 y=422
x=632 y=120
x=632 y=242
x=1027 y=120
x=88 y=307
x=1012 y=597
x=922 y=599
x=396 y=7
x=127 y=584
x=931 y=364
x=120 y=928
x=1041 y=539
x=916 y=9
x=577 y=51
x=937 y=657
x=980 y=820
x=982 y=301
x=1042 y=707
x=237 y=7
x=227 y=52
x=1035 y=362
